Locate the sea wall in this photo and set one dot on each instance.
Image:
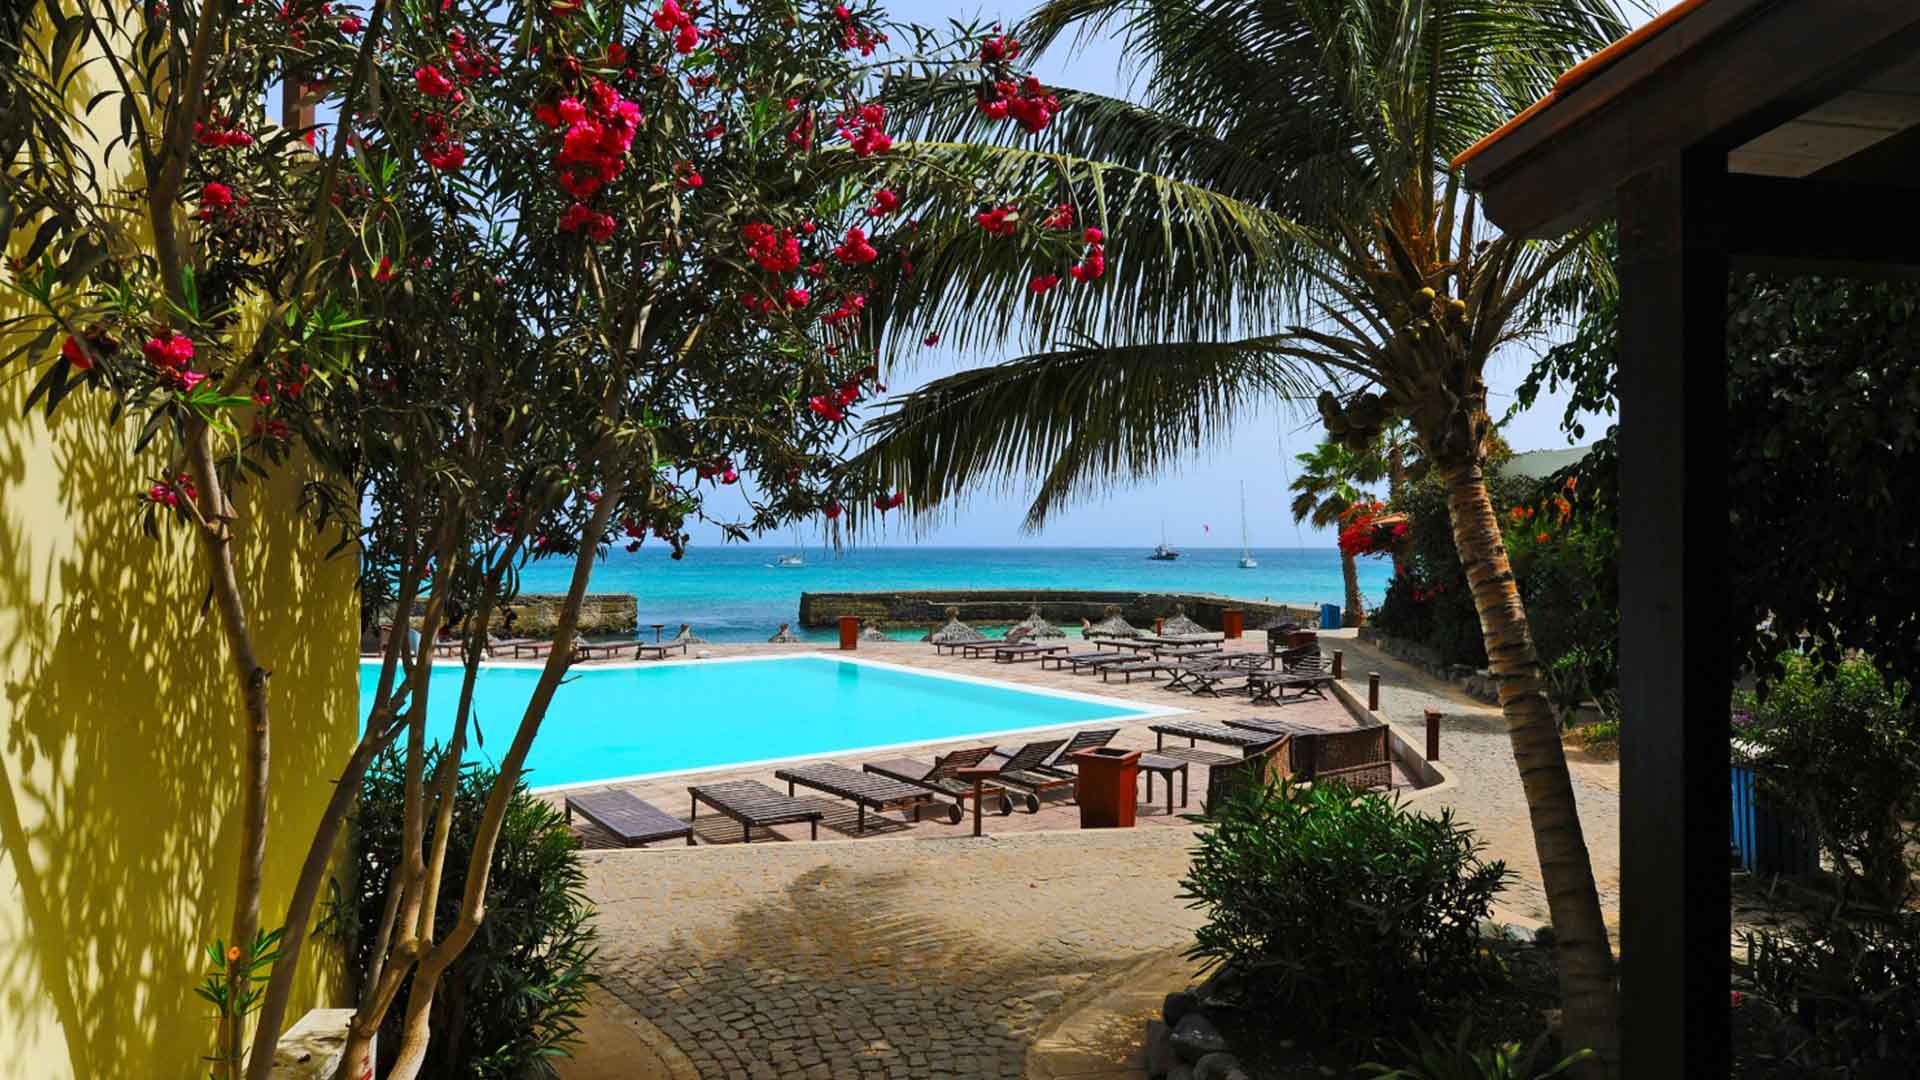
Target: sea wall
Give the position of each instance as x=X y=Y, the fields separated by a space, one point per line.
x=1065 y=607
x=535 y=614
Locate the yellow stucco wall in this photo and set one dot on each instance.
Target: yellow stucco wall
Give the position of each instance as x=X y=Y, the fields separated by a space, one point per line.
x=118 y=767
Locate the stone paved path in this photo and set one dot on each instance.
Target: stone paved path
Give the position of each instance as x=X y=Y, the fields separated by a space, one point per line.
x=1475 y=749
x=888 y=958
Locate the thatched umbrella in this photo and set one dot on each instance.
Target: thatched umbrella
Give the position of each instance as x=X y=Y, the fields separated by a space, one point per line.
x=786 y=636
x=1033 y=626
x=955 y=632
x=1283 y=624
x=686 y=636
x=1181 y=626
x=870 y=632
x=1112 y=626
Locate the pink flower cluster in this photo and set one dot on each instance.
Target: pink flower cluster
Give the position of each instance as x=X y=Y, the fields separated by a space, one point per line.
x=884 y=503
x=1094 y=263
x=172 y=354
x=600 y=130
x=1026 y=101
x=855 y=250
x=864 y=130
x=776 y=250
x=597 y=226
x=672 y=19
x=884 y=202
x=169 y=493
x=854 y=35
x=224 y=135
x=999 y=221
x=215 y=198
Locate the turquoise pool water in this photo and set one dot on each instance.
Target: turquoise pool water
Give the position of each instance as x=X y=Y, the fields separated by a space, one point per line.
x=613 y=722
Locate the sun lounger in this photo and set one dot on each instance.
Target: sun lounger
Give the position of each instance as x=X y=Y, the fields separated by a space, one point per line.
x=1270 y=687
x=1150 y=668
x=1015 y=653
x=1183 y=652
x=941 y=776
x=660 y=651
x=865 y=789
x=1023 y=771
x=1084 y=661
x=496 y=646
x=631 y=819
x=602 y=650
x=1209 y=680
x=1199 y=731
x=973 y=650
x=751 y=803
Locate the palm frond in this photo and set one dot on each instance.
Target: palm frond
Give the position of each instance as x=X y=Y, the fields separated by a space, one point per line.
x=1082 y=419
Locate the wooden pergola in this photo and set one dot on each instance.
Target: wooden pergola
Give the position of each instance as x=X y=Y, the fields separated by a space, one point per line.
x=1782 y=134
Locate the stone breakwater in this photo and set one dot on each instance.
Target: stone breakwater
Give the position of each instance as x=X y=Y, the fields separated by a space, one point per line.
x=535 y=614
x=1063 y=607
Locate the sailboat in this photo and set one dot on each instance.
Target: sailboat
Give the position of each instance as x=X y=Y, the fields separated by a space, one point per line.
x=1161 y=552
x=1247 y=561
x=792 y=560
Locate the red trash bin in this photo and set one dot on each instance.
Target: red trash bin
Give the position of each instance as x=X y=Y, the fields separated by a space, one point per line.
x=849 y=632
x=1233 y=623
x=1105 y=788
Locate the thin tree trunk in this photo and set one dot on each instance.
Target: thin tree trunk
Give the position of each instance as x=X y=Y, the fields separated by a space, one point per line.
x=1587 y=984
x=1354 y=615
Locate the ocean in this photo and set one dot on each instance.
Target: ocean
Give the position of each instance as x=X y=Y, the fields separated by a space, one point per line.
x=735 y=593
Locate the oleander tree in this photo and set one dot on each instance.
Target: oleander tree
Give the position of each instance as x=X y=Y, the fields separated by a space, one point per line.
x=552 y=274
x=1284 y=218
x=1329 y=485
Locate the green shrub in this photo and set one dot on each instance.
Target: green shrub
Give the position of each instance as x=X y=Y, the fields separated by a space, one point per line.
x=1848 y=742
x=1430 y=1059
x=509 y=1003
x=1330 y=905
x=1853 y=991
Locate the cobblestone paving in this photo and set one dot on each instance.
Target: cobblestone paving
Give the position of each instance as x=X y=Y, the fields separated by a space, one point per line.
x=890 y=958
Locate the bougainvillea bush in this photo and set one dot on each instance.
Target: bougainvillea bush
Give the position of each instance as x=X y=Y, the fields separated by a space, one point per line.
x=547 y=276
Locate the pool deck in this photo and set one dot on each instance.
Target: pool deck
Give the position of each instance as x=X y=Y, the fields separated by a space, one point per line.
x=1057 y=810
x=1034 y=951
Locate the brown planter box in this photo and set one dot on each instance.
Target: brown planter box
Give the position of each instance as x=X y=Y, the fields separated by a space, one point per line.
x=1297 y=639
x=1105 y=788
x=849 y=632
x=1233 y=622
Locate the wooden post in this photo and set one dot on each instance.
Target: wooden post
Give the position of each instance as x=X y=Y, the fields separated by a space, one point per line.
x=1676 y=664
x=1373 y=691
x=1339 y=663
x=1433 y=734
x=979 y=776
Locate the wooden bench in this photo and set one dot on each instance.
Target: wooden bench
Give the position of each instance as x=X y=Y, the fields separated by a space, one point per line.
x=751 y=803
x=632 y=820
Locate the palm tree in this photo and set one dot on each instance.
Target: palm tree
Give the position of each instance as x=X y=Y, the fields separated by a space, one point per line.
x=1324 y=491
x=1281 y=215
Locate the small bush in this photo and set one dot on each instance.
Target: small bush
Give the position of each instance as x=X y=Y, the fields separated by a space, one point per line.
x=1331 y=906
x=1848 y=742
x=508 y=1005
x=1430 y=1059
x=1853 y=991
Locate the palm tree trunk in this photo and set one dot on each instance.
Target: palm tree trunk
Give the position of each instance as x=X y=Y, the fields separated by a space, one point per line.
x=1587 y=985
x=1353 y=615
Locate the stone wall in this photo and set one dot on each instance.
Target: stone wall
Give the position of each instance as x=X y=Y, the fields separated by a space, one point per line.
x=1064 y=607
x=534 y=614
x=1479 y=683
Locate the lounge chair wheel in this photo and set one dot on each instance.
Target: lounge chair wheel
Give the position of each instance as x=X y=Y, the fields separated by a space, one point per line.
x=1006 y=806
x=955 y=815
x=1033 y=804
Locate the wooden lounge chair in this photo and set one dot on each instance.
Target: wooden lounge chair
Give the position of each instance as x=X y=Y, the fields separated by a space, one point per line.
x=631 y=819
x=1014 y=653
x=602 y=650
x=973 y=650
x=1084 y=661
x=1184 y=652
x=660 y=651
x=1194 y=731
x=942 y=777
x=1024 y=770
x=1359 y=757
x=751 y=803
x=1150 y=668
x=865 y=789
x=1270 y=687
x=496 y=646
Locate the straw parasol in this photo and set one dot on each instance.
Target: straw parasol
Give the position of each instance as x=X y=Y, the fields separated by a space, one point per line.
x=955 y=632
x=1112 y=626
x=1033 y=626
x=786 y=636
x=1181 y=626
x=686 y=636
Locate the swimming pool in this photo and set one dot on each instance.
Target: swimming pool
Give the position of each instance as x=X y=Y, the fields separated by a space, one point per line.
x=624 y=721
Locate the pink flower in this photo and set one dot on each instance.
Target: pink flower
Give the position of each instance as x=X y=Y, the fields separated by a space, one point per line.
x=1094 y=236
x=75 y=355
x=431 y=81
x=730 y=476
x=854 y=250
x=884 y=202
x=1043 y=283
x=798 y=297
x=826 y=407
x=1061 y=218
x=999 y=221
x=384 y=271
x=351 y=25
x=190 y=379
x=597 y=226
x=930 y=340
x=446 y=156
x=833 y=511
x=171 y=351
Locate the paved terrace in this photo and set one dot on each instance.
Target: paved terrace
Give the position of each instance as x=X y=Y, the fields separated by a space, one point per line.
x=919 y=951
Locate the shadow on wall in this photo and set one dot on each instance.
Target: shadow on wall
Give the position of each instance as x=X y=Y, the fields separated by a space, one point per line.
x=122 y=744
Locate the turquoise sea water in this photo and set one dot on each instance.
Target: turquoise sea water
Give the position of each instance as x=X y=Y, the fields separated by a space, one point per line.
x=732 y=593
x=611 y=723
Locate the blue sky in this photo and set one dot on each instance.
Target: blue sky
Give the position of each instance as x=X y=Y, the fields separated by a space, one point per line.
x=1204 y=490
